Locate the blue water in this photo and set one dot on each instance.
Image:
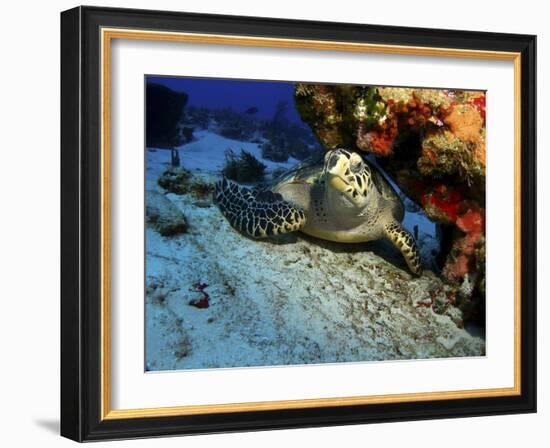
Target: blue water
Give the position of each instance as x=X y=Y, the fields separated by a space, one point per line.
x=179 y=333
x=238 y=95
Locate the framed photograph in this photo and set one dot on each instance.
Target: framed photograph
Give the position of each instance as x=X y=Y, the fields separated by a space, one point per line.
x=275 y=224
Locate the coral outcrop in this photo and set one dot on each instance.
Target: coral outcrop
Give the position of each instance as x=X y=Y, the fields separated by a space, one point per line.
x=432 y=143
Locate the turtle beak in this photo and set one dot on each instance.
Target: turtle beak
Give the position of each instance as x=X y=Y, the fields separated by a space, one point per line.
x=337 y=183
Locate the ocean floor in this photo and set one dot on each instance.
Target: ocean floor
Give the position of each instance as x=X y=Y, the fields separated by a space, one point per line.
x=215 y=298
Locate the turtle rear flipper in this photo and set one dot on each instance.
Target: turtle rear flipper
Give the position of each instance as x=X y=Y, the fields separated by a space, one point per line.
x=404 y=241
x=257 y=213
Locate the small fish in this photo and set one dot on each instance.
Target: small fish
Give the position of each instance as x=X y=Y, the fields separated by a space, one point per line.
x=251 y=110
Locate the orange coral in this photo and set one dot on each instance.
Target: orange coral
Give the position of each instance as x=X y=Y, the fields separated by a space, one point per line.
x=401 y=115
x=466 y=122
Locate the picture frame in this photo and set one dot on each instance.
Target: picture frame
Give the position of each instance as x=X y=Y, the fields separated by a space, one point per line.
x=87 y=34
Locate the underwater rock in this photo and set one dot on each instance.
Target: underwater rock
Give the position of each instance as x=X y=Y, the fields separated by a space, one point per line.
x=430 y=141
x=164 y=109
x=180 y=181
x=243 y=167
x=175 y=180
x=293 y=301
x=163 y=215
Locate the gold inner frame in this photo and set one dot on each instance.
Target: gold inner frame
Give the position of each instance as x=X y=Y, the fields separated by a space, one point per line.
x=107 y=35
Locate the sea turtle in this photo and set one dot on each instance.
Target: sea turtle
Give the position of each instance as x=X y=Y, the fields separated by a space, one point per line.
x=341 y=197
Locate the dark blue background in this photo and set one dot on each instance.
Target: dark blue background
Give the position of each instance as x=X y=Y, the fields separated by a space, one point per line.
x=239 y=95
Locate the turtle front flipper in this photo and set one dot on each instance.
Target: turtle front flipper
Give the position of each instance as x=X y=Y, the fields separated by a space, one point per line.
x=404 y=241
x=257 y=213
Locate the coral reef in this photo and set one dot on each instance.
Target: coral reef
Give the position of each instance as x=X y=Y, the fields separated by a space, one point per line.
x=243 y=168
x=163 y=215
x=432 y=143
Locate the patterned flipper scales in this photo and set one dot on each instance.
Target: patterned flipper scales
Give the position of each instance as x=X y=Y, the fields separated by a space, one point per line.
x=404 y=241
x=257 y=213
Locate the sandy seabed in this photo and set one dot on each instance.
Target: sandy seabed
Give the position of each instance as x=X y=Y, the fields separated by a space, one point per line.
x=296 y=300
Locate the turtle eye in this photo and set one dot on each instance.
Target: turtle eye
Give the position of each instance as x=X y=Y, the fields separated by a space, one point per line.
x=356 y=162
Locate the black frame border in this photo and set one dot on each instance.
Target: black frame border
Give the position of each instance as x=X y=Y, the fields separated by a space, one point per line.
x=81 y=223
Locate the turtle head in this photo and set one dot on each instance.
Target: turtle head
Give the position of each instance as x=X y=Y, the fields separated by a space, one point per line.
x=348 y=175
